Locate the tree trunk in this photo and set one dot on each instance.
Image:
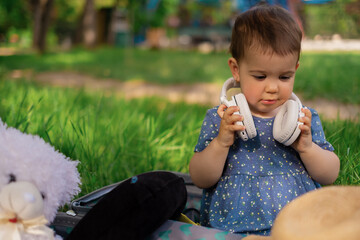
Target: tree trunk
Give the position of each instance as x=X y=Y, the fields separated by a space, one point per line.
x=89 y=24
x=111 y=32
x=42 y=12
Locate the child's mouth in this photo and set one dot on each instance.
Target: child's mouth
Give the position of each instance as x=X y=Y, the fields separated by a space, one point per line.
x=268 y=101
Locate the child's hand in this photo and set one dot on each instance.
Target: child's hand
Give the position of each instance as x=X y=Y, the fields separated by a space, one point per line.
x=228 y=127
x=304 y=141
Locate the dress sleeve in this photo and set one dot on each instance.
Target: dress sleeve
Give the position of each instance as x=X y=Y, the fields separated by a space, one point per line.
x=317 y=132
x=209 y=129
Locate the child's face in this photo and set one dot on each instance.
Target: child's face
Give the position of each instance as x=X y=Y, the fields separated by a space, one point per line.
x=266 y=80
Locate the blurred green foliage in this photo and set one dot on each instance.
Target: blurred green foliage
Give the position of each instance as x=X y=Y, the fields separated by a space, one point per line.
x=13 y=13
x=331 y=18
x=140 y=17
x=339 y=16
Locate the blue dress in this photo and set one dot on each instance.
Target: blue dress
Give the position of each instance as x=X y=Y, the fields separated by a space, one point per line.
x=260 y=177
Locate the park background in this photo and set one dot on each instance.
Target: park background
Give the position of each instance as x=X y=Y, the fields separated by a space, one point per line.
x=123 y=86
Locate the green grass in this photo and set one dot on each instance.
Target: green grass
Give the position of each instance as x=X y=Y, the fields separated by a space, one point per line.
x=115 y=139
x=163 y=67
x=330 y=75
x=344 y=136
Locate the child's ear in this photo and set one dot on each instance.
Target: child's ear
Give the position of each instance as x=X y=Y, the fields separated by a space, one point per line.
x=234 y=68
x=297 y=66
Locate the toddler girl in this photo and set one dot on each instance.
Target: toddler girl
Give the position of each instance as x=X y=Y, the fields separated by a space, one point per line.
x=247 y=183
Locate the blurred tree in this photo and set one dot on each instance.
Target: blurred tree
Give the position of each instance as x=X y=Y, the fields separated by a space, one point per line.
x=13 y=14
x=87 y=27
x=111 y=32
x=41 y=10
x=205 y=12
x=116 y=7
x=353 y=9
x=150 y=13
x=150 y=16
x=137 y=15
x=70 y=18
x=328 y=19
x=157 y=12
x=67 y=14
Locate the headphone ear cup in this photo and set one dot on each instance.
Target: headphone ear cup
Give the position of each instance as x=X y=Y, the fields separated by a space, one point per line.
x=246 y=113
x=286 y=123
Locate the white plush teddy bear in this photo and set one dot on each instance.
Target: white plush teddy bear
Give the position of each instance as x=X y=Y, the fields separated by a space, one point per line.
x=35 y=180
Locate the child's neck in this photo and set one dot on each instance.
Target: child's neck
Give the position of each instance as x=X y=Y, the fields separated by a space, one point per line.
x=265 y=114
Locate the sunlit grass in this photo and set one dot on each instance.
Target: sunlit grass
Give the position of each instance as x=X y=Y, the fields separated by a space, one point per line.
x=115 y=139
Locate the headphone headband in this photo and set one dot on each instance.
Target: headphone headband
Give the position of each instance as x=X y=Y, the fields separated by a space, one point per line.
x=228 y=84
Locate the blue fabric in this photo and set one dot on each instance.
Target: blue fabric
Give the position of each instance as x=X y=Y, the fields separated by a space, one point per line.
x=260 y=177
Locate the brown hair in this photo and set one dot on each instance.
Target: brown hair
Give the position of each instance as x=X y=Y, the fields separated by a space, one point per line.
x=269 y=28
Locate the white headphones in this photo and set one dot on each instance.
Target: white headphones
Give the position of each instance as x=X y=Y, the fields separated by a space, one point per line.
x=286 y=125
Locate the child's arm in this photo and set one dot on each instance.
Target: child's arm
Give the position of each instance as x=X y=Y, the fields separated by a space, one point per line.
x=322 y=165
x=206 y=167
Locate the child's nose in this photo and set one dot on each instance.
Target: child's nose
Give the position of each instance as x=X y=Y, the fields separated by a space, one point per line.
x=271 y=87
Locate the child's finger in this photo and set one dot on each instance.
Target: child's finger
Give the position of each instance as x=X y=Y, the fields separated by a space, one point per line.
x=307 y=118
x=232 y=115
x=221 y=110
x=307 y=112
x=235 y=118
x=306 y=121
x=236 y=127
x=231 y=110
x=305 y=129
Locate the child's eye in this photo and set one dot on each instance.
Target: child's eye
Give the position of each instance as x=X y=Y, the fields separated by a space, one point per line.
x=284 y=77
x=259 y=77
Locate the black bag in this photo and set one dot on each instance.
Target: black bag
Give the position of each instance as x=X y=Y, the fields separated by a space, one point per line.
x=160 y=196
